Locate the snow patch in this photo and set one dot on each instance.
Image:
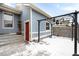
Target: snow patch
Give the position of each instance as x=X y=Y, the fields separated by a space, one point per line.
x=55 y=46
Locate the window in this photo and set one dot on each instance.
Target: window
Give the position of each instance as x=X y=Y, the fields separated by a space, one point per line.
x=47 y=26
x=7 y=20
x=57 y=22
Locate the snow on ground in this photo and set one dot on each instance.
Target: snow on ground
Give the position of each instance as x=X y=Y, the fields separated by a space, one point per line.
x=55 y=46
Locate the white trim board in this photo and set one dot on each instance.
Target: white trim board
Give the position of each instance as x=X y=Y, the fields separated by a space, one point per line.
x=42 y=31
x=40 y=36
x=31 y=21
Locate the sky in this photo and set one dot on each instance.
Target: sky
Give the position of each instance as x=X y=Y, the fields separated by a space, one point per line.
x=55 y=9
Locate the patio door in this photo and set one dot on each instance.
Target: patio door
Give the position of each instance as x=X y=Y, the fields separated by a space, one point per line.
x=27 y=32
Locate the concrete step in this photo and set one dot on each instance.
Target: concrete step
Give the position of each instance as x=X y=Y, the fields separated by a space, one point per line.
x=10 y=42
x=12 y=39
x=4 y=40
x=9 y=36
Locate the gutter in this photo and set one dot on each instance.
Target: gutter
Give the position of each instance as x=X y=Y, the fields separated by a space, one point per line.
x=9 y=9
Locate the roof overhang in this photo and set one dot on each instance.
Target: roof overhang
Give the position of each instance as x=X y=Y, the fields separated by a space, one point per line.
x=38 y=9
x=9 y=9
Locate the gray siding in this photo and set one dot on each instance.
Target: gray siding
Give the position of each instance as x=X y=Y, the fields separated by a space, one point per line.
x=37 y=16
x=2 y=31
x=25 y=15
x=0 y=22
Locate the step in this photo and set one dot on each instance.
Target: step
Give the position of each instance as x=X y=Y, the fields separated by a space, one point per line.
x=10 y=41
x=7 y=35
x=7 y=39
x=10 y=37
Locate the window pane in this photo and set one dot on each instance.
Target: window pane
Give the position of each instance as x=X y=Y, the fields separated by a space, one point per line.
x=47 y=26
x=8 y=22
x=8 y=17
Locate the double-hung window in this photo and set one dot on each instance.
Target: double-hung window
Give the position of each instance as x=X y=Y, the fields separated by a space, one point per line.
x=8 y=21
x=47 y=26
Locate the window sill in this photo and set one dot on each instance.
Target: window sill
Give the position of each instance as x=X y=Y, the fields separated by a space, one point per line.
x=8 y=28
x=48 y=30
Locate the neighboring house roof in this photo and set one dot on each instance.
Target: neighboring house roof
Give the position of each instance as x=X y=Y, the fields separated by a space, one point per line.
x=9 y=9
x=36 y=9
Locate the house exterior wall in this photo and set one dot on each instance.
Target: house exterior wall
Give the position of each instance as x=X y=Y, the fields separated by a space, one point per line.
x=25 y=15
x=14 y=30
x=37 y=16
x=29 y=14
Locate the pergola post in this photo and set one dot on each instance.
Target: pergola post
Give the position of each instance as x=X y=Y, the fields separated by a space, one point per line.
x=72 y=31
x=51 y=30
x=38 y=31
x=75 y=35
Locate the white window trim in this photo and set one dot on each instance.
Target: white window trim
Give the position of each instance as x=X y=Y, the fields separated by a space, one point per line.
x=49 y=26
x=3 y=22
